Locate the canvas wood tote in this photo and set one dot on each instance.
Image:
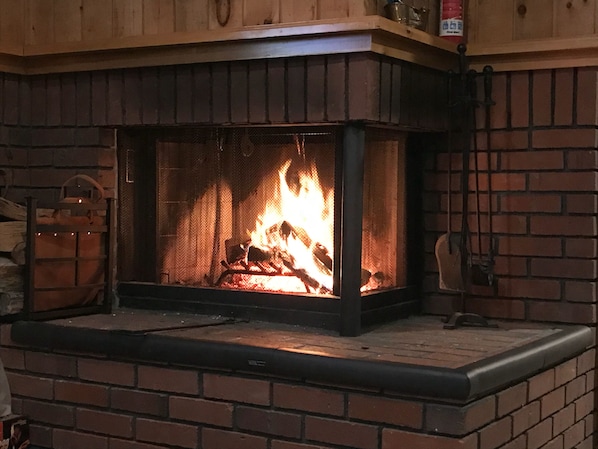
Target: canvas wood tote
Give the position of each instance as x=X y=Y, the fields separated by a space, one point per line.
x=73 y=282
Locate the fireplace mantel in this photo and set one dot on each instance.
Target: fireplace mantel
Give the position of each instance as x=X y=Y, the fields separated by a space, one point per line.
x=352 y=35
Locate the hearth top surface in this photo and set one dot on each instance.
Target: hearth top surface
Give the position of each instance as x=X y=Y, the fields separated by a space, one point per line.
x=415 y=356
x=418 y=340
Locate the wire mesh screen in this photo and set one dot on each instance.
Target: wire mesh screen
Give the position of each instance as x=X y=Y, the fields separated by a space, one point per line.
x=247 y=209
x=384 y=219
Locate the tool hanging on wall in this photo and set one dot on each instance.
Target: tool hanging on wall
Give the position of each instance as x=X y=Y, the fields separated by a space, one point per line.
x=472 y=271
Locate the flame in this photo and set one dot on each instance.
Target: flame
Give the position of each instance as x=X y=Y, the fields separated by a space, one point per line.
x=296 y=225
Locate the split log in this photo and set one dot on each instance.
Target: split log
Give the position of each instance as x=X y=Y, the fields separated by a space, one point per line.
x=11 y=303
x=13 y=211
x=11 y=277
x=319 y=251
x=11 y=234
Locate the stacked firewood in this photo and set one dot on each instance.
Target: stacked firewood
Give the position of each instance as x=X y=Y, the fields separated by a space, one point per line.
x=13 y=228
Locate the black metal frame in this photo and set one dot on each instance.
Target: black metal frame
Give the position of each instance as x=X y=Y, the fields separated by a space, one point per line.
x=106 y=230
x=346 y=310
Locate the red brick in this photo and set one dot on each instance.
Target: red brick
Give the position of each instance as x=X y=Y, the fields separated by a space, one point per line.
x=506 y=141
x=519 y=99
x=540 y=434
x=555 y=443
x=575 y=389
x=530 y=246
x=574 y=435
x=393 y=439
x=552 y=402
x=590 y=378
x=386 y=410
x=563 y=96
x=236 y=389
x=50 y=364
x=40 y=435
x=104 y=423
x=580 y=291
x=268 y=421
x=564 y=268
x=166 y=433
x=114 y=373
x=288 y=445
x=582 y=159
x=221 y=439
x=518 y=443
x=565 y=372
x=527 y=202
x=48 y=413
x=66 y=439
x=167 y=379
x=540 y=384
x=532 y=160
x=583 y=247
x=583 y=203
x=586 y=96
x=499 y=94
x=308 y=399
x=81 y=393
x=562 y=312
x=526 y=417
x=588 y=443
x=498 y=308
x=343 y=433
x=511 y=399
x=586 y=361
x=201 y=411
x=503 y=224
x=501 y=182
x=12 y=358
x=563 y=420
x=141 y=402
x=496 y=434
x=584 y=406
x=542 y=97
x=564 y=138
x=511 y=266
x=30 y=386
x=530 y=288
x=455 y=420
x=563 y=182
x=125 y=444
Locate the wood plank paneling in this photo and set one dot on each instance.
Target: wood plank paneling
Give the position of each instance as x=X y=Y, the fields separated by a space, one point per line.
x=158 y=16
x=190 y=15
x=574 y=18
x=260 y=12
x=533 y=19
x=298 y=11
x=12 y=22
x=494 y=21
x=67 y=20
x=40 y=30
x=96 y=20
x=127 y=18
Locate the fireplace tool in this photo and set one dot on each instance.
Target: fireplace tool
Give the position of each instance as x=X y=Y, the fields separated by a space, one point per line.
x=470 y=272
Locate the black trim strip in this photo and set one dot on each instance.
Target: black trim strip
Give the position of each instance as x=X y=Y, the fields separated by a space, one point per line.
x=463 y=384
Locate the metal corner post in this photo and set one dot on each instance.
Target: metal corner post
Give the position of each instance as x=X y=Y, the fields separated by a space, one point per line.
x=351 y=227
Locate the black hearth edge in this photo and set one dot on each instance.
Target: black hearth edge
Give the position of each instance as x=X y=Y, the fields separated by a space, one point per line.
x=462 y=384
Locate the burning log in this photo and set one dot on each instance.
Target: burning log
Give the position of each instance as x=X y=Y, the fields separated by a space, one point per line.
x=319 y=251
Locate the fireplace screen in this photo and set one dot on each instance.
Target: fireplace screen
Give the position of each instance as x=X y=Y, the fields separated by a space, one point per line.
x=262 y=210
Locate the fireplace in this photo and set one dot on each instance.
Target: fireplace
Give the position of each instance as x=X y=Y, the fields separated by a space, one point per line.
x=300 y=224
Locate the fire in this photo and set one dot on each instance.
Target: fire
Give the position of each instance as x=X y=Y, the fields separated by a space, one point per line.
x=297 y=228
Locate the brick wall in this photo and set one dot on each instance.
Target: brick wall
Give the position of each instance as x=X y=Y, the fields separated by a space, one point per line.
x=544 y=181
x=77 y=400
